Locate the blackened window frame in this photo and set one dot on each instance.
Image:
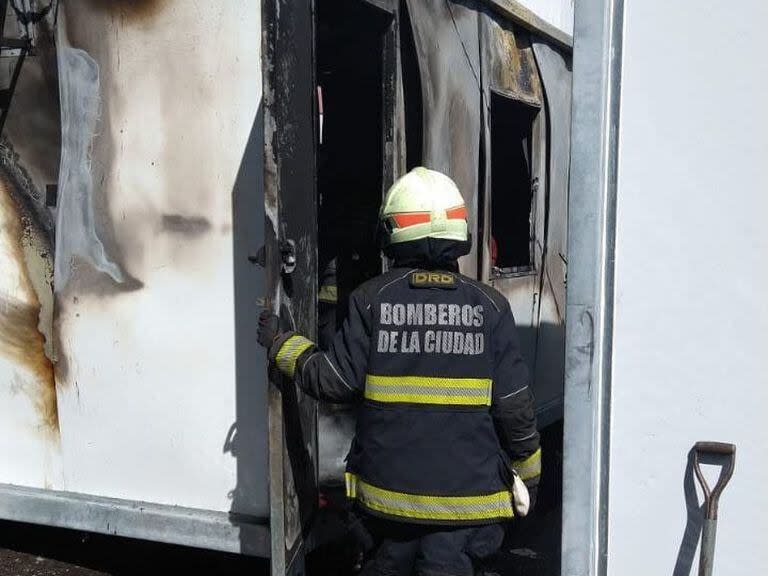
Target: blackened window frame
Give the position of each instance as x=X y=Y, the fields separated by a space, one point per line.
x=534 y=149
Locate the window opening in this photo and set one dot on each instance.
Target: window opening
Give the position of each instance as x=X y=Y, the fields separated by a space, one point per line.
x=512 y=187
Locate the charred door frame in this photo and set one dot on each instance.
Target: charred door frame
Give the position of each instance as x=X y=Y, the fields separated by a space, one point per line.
x=290 y=137
x=291 y=248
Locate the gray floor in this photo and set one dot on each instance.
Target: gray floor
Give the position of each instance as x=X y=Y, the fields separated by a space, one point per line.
x=27 y=550
x=14 y=563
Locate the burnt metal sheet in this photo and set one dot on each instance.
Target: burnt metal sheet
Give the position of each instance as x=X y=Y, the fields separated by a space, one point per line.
x=556 y=76
x=510 y=70
x=466 y=50
x=526 y=18
x=446 y=37
x=30 y=419
x=510 y=67
x=26 y=295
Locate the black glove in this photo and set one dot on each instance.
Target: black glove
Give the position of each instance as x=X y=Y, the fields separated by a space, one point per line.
x=269 y=327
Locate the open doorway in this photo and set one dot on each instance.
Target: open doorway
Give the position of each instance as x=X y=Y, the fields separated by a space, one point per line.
x=351 y=42
x=350 y=62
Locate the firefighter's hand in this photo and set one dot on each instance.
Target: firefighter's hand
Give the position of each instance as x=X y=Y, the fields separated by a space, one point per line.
x=269 y=328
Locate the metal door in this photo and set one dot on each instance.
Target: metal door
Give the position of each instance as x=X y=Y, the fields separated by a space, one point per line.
x=291 y=261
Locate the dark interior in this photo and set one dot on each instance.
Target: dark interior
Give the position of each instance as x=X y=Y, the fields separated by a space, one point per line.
x=511 y=189
x=350 y=42
x=414 y=113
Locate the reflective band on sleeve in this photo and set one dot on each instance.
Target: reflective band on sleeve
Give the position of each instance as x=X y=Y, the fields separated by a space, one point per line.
x=289 y=353
x=528 y=467
x=429 y=390
x=446 y=508
x=351 y=482
x=328 y=294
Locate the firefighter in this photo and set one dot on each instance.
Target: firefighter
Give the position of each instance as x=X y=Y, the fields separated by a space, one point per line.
x=446 y=429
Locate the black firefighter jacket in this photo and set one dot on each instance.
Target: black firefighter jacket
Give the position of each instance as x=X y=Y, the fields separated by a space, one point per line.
x=445 y=406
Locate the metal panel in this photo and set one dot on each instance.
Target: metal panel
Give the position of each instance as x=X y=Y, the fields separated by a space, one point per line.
x=509 y=66
x=128 y=334
x=144 y=520
x=591 y=224
x=555 y=70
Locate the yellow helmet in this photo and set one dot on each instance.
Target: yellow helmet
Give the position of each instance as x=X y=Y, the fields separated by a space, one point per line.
x=424 y=204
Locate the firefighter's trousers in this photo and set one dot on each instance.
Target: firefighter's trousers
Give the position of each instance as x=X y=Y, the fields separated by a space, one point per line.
x=409 y=549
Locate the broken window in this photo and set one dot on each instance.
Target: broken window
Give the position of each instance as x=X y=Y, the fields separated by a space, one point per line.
x=512 y=186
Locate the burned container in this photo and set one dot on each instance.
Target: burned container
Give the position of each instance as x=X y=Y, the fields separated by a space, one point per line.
x=154 y=200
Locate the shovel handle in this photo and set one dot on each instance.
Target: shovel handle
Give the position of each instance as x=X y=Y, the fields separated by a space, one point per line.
x=712 y=495
x=715 y=448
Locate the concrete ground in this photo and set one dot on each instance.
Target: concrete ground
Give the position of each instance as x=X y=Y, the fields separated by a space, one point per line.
x=21 y=564
x=27 y=550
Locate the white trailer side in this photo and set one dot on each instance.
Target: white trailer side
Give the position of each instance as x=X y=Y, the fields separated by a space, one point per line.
x=153 y=423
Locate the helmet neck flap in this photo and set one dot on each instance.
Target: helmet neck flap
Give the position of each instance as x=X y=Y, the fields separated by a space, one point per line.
x=428 y=253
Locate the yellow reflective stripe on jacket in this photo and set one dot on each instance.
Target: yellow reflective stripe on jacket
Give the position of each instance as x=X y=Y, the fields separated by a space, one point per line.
x=456 y=508
x=530 y=467
x=429 y=390
x=289 y=353
x=328 y=294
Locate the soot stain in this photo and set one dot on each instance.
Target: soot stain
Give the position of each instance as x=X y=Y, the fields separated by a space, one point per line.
x=129 y=9
x=20 y=337
x=185 y=225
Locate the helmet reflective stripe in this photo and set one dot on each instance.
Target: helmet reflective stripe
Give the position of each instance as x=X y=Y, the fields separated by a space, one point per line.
x=424 y=204
x=405 y=219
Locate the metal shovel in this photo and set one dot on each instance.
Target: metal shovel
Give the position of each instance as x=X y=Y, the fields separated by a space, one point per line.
x=711 y=498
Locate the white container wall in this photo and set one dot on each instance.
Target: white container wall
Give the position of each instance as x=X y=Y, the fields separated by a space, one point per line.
x=691 y=317
x=159 y=387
